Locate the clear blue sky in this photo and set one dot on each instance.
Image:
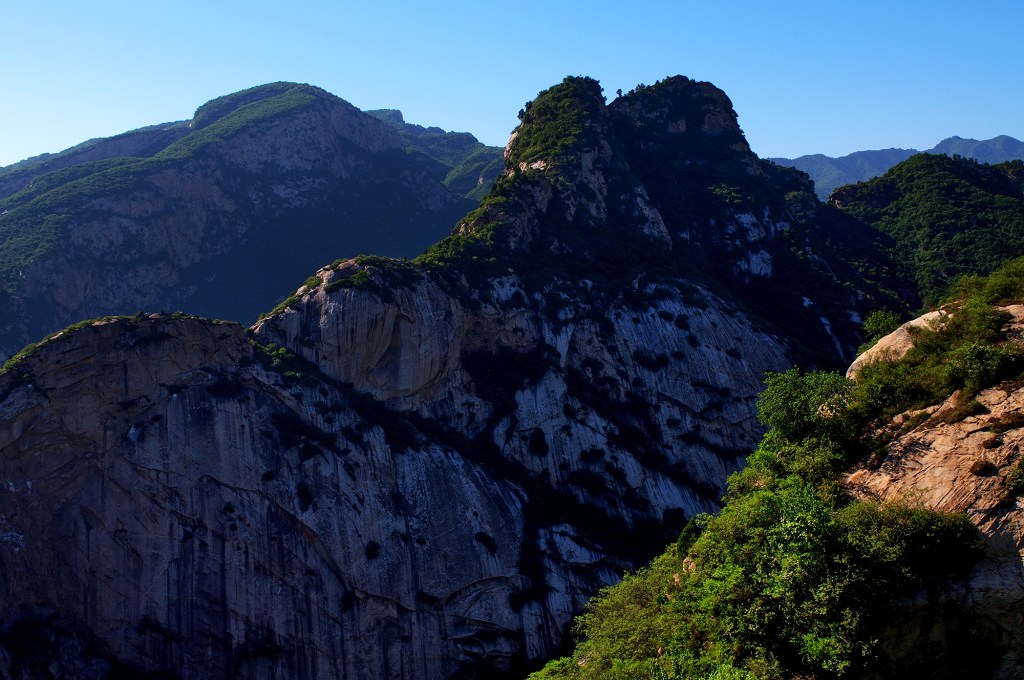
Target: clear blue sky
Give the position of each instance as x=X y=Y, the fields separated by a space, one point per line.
x=805 y=77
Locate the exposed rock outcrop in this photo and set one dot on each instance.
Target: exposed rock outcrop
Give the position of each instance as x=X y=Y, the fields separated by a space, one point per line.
x=419 y=469
x=209 y=518
x=894 y=346
x=952 y=462
x=217 y=517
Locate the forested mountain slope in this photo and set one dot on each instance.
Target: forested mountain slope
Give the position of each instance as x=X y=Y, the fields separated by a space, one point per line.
x=218 y=215
x=470 y=166
x=948 y=217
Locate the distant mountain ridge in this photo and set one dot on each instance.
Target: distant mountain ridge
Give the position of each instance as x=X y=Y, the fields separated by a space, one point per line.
x=829 y=173
x=471 y=165
x=144 y=141
x=220 y=214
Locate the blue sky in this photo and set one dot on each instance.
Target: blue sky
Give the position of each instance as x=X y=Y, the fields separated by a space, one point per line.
x=805 y=77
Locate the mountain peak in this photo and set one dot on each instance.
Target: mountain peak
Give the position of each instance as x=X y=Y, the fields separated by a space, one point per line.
x=218 y=108
x=682 y=104
x=567 y=193
x=688 y=123
x=564 y=120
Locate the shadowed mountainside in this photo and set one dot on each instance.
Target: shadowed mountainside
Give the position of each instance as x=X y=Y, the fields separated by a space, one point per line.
x=217 y=216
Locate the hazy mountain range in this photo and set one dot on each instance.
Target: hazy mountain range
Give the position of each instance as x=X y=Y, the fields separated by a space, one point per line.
x=828 y=173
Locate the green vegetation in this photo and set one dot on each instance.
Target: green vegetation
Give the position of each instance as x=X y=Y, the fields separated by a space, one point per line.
x=1014 y=480
x=794 y=578
x=292 y=301
x=474 y=175
x=34 y=219
x=284 y=362
x=375 y=273
x=17 y=363
x=610 y=252
x=561 y=121
x=694 y=174
x=947 y=216
x=218 y=108
x=224 y=117
x=876 y=326
x=964 y=351
x=472 y=250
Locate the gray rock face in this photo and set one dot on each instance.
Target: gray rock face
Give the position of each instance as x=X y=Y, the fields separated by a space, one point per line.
x=213 y=520
x=414 y=469
x=215 y=517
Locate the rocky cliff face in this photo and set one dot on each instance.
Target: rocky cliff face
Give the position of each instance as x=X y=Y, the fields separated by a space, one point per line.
x=219 y=218
x=416 y=469
x=952 y=462
x=216 y=517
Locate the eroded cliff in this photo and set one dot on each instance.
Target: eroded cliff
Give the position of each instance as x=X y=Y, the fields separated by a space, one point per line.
x=422 y=469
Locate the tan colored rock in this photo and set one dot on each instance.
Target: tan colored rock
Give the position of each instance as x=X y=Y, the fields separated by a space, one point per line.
x=952 y=463
x=895 y=345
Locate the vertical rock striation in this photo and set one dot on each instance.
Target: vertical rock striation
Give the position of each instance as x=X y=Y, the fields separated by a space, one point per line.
x=418 y=469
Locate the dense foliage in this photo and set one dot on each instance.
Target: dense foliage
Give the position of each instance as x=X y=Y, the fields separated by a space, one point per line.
x=794 y=578
x=559 y=126
x=218 y=108
x=563 y=121
x=948 y=216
